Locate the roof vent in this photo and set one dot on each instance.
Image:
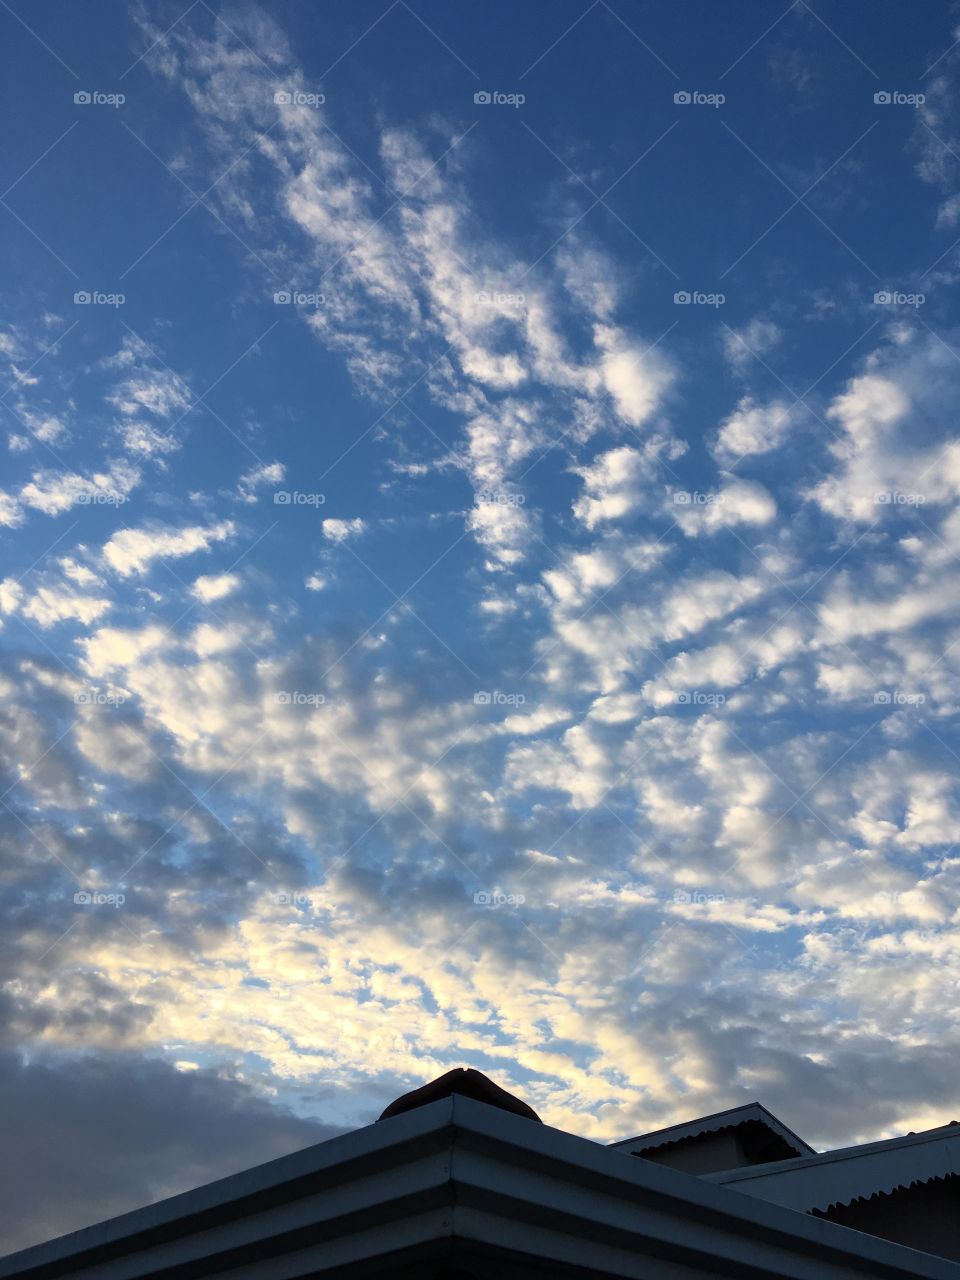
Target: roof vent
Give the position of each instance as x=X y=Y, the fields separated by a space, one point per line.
x=469 y=1084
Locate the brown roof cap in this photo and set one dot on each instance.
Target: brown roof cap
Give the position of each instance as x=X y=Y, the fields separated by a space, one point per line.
x=466 y=1082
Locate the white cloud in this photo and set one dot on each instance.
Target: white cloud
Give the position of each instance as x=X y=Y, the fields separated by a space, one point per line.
x=948 y=214
x=613 y=639
x=113 y=746
x=208 y=639
x=582 y=575
x=340 y=530
x=156 y=391
x=870 y=405
x=112 y=649
x=45 y=427
x=147 y=440
x=210 y=587
x=754 y=428
x=134 y=550
x=731 y=663
x=250 y=481
x=613 y=485
x=896 y=435
x=756 y=338
x=50 y=605
x=735 y=502
x=11 y=593
x=81 y=574
x=847 y=612
x=54 y=492
x=11 y=513
x=502 y=527
x=636 y=377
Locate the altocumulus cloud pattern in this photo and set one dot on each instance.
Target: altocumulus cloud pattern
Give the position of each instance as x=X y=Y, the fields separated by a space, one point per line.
x=480 y=534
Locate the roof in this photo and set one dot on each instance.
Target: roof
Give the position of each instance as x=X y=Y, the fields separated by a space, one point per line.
x=850 y=1173
x=467 y=1082
x=461 y=1179
x=749 y=1113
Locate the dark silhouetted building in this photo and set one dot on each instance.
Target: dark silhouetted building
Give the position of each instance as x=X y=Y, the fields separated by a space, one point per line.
x=460 y=1179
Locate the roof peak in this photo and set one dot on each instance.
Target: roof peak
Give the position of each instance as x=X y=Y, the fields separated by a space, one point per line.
x=466 y=1082
x=766 y=1137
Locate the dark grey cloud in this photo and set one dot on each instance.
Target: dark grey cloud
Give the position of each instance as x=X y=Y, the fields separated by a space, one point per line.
x=87 y=1138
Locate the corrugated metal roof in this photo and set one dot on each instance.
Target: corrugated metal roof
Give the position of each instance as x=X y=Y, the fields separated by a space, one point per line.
x=850 y=1173
x=733 y=1117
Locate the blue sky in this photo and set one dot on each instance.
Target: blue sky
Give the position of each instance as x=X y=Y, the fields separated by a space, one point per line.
x=480 y=527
